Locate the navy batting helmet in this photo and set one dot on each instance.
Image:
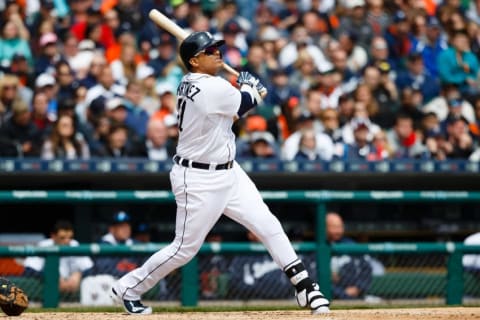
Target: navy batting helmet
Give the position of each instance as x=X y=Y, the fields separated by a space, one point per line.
x=195 y=43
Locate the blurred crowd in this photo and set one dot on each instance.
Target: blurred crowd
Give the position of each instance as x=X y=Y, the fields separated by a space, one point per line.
x=347 y=79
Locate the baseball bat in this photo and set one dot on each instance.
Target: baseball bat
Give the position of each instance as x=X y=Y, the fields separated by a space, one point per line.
x=165 y=23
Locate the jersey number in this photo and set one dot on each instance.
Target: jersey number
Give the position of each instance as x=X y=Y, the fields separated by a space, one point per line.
x=181 y=103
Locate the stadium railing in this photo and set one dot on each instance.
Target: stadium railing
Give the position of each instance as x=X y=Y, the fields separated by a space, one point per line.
x=319 y=198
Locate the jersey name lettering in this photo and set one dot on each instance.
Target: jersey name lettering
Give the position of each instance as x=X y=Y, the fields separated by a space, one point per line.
x=188 y=90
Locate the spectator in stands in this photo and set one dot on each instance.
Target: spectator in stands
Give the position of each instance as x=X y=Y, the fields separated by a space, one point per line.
x=365 y=103
x=156 y=145
x=455 y=110
x=101 y=127
x=450 y=98
x=357 y=57
x=290 y=147
x=416 y=77
x=458 y=65
x=233 y=51
x=137 y=117
x=431 y=45
x=88 y=70
x=150 y=100
x=360 y=113
x=12 y=42
x=9 y=93
x=119 y=144
x=457 y=142
x=348 y=78
x=47 y=84
x=65 y=79
x=351 y=274
x=281 y=90
x=405 y=142
x=166 y=94
x=19 y=137
x=42 y=119
x=84 y=129
x=49 y=55
x=124 y=69
x=411 y=101
x=398 y=39
x=105 y=87
x=383 y=150
x=384 y=93
x=304 y=73
x=71 y=269
x=378 y=17
x=300 y=40
x=355 y=22
x=119 y=233
x=331 y=124
x=346 y=108
x=328 y=83
x=256 y=63
x=307 y=149
x=64 y=142
x=19 y=67
x=117 y=112
x=166 y=55
x=378 y=52
x=362 y=147
x=261 y=145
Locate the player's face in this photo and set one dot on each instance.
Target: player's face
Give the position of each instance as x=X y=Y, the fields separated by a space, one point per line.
x=208 y=61
x=62 y=237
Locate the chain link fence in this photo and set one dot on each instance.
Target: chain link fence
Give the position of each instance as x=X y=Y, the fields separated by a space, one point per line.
x=370 y=278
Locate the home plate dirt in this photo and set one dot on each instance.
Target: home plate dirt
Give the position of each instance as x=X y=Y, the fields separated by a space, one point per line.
x=461 y=313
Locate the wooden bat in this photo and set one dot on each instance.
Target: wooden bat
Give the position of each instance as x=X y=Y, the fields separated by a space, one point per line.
x=165 y=23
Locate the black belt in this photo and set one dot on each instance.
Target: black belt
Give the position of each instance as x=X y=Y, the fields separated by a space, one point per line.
x=199 y=165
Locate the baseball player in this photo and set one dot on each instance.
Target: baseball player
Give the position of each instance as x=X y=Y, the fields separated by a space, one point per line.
x=207 y=182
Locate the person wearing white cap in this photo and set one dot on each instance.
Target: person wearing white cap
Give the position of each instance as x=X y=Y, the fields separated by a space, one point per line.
x=46 y=83
x=150 y=101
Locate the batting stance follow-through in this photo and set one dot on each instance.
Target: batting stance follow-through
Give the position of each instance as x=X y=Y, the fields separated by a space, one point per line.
x=207 y=182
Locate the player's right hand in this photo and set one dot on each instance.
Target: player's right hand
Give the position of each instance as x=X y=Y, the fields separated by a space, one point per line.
x=247 y=78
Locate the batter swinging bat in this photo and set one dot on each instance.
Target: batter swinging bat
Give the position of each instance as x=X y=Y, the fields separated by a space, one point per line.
x=165 y=23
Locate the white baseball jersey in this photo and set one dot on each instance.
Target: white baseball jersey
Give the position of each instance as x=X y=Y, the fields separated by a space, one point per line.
x=68 y=265
x=207 y=106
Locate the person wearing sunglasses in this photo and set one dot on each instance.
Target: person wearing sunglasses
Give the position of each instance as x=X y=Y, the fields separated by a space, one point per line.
x=207 y=181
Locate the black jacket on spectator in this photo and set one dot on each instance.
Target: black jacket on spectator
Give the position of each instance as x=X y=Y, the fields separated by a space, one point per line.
x=12 y=136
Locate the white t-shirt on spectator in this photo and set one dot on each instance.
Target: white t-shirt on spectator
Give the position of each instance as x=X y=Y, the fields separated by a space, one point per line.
x=325 y=146
x=68 y=265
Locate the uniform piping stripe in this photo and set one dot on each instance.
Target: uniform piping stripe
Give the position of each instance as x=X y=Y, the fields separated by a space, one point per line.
x=183 y=233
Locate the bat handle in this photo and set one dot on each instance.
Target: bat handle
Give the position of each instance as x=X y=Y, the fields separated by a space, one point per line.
x=230 y=70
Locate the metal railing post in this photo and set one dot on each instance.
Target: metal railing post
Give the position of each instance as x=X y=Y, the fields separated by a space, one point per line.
x=455 y=279
x=51 y=293
x=190 y=289
x=323 y=253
